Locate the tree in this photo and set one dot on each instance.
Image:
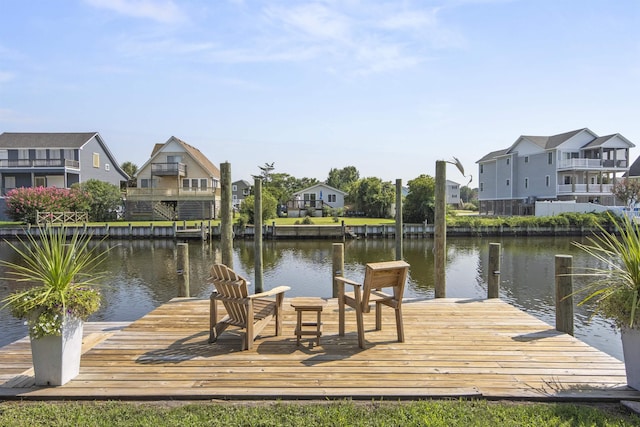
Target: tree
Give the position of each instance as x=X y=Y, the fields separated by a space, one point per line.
x=372 y=196
x=269 y=205
x=282 y=186
x=105 y=200
x=627 y=190
x=420 y=202
x=130 y=169
x=265 y=172
x=343 y=178
x=466 y=194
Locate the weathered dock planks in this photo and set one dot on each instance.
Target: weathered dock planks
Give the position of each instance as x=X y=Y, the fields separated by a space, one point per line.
x=454 y=348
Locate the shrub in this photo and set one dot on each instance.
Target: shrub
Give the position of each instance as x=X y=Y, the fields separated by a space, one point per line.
x=23 y=204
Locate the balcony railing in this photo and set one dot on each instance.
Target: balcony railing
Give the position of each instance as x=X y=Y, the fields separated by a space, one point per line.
x=170 y=192
x=305 y=204
x=169 y=169
x=40 y=163
x=591 y=164
x=584 y=189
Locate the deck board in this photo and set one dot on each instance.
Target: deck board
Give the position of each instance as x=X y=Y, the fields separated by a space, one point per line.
x=453 y=348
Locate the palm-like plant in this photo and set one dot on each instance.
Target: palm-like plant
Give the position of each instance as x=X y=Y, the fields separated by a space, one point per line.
x=64 y=271
x=616 y=292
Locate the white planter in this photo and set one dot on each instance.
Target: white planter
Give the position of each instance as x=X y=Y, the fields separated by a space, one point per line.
x=631 y=352
x=56 y=360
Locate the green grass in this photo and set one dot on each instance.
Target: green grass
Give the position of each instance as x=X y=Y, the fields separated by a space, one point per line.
x=196 y=223
x=340 y=413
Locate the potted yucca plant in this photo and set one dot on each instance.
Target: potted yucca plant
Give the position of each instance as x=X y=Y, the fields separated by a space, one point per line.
x=60 y=272
x=616 y=290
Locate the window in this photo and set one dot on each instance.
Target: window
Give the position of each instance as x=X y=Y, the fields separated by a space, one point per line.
x=185 y=183
x=194 y=183
x=508 y=182
x=481 y=168
x=40 y=181
x=550 y=158
x=526 y=183
x=508 y=160
x=567 y=179
x=107 y=167
x=203 y=183
x=4 y=154
x=9 y=182
x=147 y=183
x=41 y=154
x=234 y=188
x=526 y=159
x=547 y=180
x=174 y=159
x=23 y=154
x=331 y=198
x=96 y=160
x=54 y=154
x=69 y=154
x=482 y=186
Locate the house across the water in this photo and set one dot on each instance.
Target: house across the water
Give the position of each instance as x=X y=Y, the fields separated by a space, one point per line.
x=178 y=182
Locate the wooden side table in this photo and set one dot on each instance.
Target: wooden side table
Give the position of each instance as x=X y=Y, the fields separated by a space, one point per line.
x=308 y=304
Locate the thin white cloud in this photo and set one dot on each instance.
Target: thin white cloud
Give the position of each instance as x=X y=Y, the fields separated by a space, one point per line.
x=165 y=11
x=344 y=37
x=410 y=20
x=361 y=37
x=314 y=20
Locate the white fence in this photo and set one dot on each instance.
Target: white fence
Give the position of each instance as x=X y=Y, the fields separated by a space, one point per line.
x=554 y=208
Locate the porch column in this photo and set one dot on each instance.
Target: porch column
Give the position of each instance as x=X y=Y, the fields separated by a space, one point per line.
x=600 y=180
x=586 y=180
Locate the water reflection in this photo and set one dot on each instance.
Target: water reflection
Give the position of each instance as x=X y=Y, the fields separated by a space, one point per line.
x=142 y=275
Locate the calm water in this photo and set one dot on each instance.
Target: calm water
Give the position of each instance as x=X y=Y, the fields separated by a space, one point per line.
x=143 y=275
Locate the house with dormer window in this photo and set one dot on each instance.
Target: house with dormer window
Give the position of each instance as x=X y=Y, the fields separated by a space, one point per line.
x=573 y=166
x=178 y=182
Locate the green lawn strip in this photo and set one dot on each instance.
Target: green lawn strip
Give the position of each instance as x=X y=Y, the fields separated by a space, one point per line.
x=340 y=413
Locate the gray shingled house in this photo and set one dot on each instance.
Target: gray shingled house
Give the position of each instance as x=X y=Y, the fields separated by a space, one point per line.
x=573 y=166
x=54 y=160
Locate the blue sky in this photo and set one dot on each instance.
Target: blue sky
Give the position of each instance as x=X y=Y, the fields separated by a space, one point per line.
x=389 y=87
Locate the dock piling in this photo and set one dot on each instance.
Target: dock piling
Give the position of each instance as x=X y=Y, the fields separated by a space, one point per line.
x=564 y=294
x=493 y=279
x=183 y=270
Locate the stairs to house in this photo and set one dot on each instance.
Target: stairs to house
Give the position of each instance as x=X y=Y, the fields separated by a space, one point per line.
x=162 y=210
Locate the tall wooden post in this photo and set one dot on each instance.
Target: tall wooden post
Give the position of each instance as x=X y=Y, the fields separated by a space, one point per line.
x=183 y=270
x=257 y=238
x=440 y=230
x=564 y=294
x=337 y=266
x=493 y=278
x=399 y=234
x=226 y=220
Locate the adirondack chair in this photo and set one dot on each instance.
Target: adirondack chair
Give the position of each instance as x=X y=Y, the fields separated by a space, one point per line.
x=251 y=312
x=378 y=276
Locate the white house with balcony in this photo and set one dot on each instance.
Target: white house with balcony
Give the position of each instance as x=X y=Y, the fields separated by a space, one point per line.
x=573 y=166
x=177 y=182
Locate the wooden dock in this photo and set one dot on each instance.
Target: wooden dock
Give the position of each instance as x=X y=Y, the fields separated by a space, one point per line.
x=454 y=348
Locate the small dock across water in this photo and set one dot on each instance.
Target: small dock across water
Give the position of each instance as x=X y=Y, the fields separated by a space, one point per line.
x=454 y=348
